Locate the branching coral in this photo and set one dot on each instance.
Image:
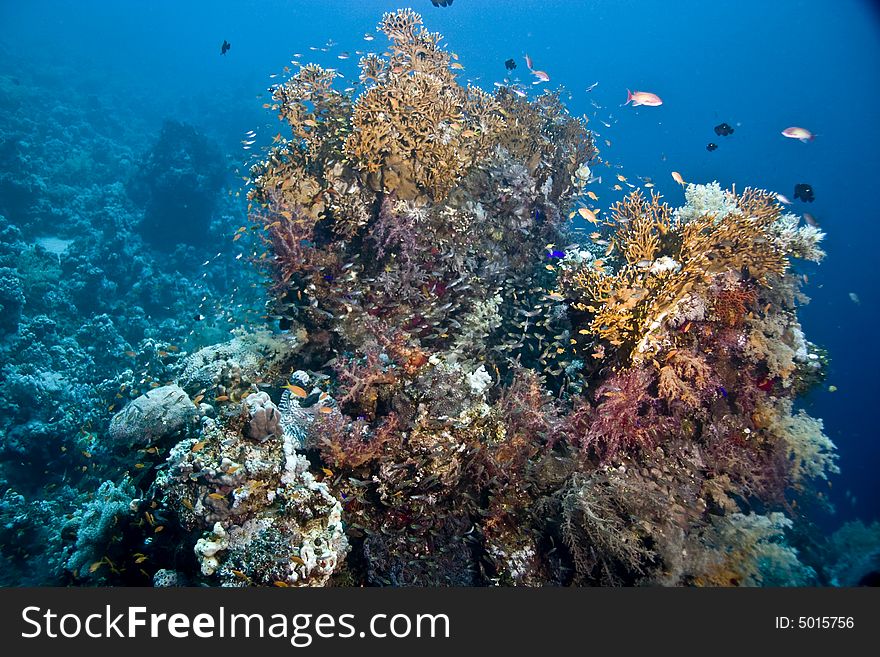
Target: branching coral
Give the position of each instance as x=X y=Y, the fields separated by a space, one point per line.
x=668 y=257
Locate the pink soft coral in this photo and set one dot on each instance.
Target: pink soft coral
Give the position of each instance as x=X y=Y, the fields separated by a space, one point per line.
x=626 y=418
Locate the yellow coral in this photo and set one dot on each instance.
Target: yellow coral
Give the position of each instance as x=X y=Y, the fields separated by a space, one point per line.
x=664 y=261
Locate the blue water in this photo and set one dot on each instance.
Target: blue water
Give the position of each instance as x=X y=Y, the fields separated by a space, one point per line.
x=759 y=66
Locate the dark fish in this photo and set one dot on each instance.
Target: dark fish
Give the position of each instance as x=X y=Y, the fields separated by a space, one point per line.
x=804 y=192
x=711 y=146
x=510 y=64
x=226 y=46
x=198 y=318
x=441 y=3
x=723 y=130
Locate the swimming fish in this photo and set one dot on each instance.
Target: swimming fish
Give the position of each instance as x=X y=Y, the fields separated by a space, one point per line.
x=811 y=220
x=592 y=86
x=676 y=176
x=587 y=214
x=782 y=198
x=794 y=132
x=296 y=391
x=225 y=47
x=723 y=130
x=711 y=146
x=510 y=64
x=541 y=75
x=804 y=192
x=442 y=3
x=642 y=98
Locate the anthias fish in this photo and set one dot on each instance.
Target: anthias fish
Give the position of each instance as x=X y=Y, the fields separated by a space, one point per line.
x=794 y=132
x=642 y=98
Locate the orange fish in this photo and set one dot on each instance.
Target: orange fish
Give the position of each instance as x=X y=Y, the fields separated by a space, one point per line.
x=642 y=98
x=587 y=214
x=296 y=391
x=676 y=176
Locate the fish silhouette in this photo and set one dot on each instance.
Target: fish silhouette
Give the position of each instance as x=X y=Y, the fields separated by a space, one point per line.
x=804 y=192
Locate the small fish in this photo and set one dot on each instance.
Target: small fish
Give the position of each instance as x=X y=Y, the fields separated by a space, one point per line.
x=327 y=472
x=832 y=388
x=280 y=584
x=592 y=86
x=198 y=447
x=297 y=560
x=711 y=146
x=221 y=398
x=642 y=98
x=187 y=504
x=855 y=298
x=225 y=47
x=510 y=64
x=217 y=496
x=296 y=391
x=810 y=220
x=804 y=192
x=96 y=565
x=618 y=188
x=587 y=214
x=542 y=77
x=723 y=130
x=794 y=132
x=130 y=354
x=782 y=198
x=621 y=177
x=676 y=176
x=325 y=409
x=592 y=195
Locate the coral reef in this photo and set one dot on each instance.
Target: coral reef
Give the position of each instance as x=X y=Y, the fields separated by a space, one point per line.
x=459 y=390
x=177 y=182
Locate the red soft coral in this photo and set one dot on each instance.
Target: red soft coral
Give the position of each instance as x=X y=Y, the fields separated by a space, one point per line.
x=626 y=418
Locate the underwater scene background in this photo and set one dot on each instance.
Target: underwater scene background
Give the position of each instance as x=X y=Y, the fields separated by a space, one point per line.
x=288 y=299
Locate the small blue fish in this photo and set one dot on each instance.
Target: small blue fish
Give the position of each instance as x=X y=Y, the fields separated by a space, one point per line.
x=556 y=254
x=722 y=391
